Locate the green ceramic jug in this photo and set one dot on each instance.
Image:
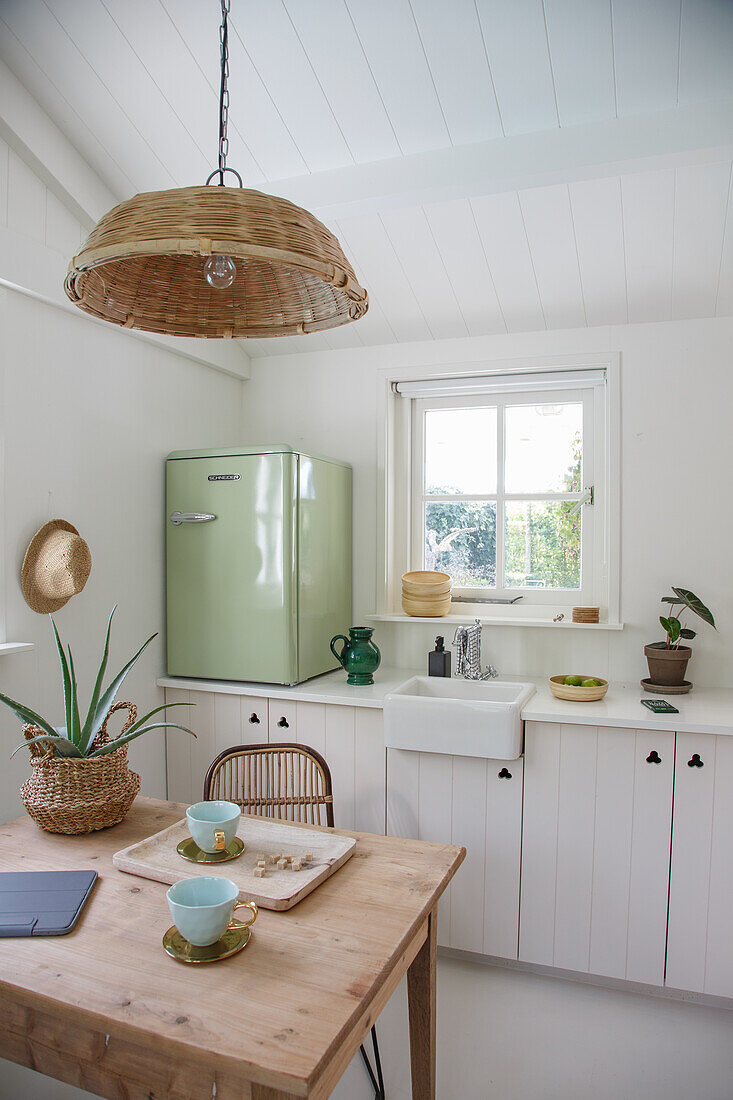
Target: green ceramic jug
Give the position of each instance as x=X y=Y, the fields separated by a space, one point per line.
x=359 y=655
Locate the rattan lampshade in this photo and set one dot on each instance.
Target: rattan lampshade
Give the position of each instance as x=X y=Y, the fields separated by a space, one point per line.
x=142 y=266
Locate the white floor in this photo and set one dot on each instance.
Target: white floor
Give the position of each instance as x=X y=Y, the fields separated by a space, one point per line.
x=504 y=1035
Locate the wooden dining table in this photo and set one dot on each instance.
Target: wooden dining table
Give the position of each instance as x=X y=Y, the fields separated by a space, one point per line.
x=104 y=1008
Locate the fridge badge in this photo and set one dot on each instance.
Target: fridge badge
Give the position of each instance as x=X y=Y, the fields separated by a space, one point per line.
x=224 y=477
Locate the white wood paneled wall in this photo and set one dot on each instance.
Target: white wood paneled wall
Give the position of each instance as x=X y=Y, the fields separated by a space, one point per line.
x=595 y=852
x=462 y=800
x=28 y=208
x=349 y=738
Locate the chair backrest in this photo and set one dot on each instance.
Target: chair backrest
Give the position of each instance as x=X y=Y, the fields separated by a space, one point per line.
x=279 y=780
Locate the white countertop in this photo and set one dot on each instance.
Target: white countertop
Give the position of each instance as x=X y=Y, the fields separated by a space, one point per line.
x=329 y=688
x=704 y=710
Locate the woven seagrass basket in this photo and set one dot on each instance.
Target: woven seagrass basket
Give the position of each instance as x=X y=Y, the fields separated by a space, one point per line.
x=67 y=795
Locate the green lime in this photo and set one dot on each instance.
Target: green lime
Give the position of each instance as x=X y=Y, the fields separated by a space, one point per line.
x=592 y=683
x=573 y=681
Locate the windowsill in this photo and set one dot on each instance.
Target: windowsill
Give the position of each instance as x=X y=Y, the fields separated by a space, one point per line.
x=495 y=620
x=14 y=647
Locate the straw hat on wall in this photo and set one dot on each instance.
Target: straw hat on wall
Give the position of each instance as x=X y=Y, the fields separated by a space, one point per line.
x=56 y=566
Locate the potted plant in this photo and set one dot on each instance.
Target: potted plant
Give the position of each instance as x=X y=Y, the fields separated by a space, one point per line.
x=80 y=780
x=667 y=660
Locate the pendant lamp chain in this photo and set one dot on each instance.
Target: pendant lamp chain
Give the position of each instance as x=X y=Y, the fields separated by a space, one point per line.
x=224 y=98
x=224 y=90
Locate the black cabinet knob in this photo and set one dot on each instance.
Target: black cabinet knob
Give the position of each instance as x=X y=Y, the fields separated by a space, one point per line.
x=505 y=774
x=654 y=757
x=695 y=761
x=254 y=719
x=283 y=723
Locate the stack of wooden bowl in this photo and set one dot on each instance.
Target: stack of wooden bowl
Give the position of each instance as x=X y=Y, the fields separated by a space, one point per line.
x=586 y=614
x=426 y=593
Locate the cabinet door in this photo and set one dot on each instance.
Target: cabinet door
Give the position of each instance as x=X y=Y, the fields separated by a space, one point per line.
x=351 y=739
x=178 y=750
x=282 y=721
x=219 y=722
x=478 y=804
x=595 y=849
x=700 y=945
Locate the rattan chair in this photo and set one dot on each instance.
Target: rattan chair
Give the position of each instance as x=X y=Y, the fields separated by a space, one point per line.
x=282 y=781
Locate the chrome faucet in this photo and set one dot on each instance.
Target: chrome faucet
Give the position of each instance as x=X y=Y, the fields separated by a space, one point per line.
x=467 y=640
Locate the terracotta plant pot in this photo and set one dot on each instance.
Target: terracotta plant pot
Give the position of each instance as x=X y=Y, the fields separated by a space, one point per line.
x=667 y=666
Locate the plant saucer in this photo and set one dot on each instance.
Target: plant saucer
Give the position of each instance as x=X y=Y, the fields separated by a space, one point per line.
x=666 y=689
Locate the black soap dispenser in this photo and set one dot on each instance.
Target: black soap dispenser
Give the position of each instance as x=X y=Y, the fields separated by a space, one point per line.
x=439 y=659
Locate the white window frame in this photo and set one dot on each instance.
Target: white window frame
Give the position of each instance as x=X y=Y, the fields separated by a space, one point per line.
x=500 y=400
x=395 y=512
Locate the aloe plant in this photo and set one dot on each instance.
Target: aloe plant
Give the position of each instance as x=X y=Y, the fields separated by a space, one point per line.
x=672 y=624
x=76 y=739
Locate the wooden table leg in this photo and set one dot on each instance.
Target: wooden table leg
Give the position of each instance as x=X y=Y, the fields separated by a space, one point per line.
x=421 y=1003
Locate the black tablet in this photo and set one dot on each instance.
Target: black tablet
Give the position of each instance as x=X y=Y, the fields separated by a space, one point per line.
x=42 y=903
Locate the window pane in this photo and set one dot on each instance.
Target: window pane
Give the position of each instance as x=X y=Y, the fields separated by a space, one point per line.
x=460 y=539
x=460 y=451
x=544 y=448
x=542 y=548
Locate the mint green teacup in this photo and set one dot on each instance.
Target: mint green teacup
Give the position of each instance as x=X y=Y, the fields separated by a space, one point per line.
x=213 y=825
x=202 y=908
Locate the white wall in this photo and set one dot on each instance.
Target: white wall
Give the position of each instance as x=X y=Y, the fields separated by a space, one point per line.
x=677 y=453
x=86 y=417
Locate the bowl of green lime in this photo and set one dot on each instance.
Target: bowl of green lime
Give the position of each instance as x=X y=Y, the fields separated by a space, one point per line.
x=575 y=688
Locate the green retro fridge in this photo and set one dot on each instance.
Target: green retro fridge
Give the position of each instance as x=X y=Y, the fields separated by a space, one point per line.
x=258 y=554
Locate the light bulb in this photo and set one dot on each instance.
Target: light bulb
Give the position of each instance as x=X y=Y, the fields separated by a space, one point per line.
x=220 y=271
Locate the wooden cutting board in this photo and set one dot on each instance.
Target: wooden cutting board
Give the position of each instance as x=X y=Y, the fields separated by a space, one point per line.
x=157 y=858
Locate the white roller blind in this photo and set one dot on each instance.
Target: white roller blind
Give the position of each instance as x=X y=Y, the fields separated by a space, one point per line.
x=492 y=383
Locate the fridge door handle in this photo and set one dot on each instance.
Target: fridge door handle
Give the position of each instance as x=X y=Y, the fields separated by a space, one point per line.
x=177 y=518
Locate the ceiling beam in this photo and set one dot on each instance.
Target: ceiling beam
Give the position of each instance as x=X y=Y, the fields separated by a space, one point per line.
x=702 y=133
x=34 y=269
x=31 y=268
x=27 y=129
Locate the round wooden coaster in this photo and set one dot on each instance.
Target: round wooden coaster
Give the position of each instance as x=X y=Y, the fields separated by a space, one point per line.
x=234 y=939
x=667 y=689
x=189 y=849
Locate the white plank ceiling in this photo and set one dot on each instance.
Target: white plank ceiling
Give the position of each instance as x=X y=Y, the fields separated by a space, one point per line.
x=324 y=85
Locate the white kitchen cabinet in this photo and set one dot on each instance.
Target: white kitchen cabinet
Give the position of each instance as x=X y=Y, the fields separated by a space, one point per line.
x=595 y=850
x=478 y=804
x=700 y=941
x=590 y=816
x=219 y=722
x=350 y=739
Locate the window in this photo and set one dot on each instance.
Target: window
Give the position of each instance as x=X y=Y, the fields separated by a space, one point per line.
x=507 y=487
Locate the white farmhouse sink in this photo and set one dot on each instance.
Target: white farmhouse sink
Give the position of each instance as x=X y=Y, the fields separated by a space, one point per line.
x=457 y=717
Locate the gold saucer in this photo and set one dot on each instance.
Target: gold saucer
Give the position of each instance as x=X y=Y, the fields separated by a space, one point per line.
x=190 y=850
x=235 y=939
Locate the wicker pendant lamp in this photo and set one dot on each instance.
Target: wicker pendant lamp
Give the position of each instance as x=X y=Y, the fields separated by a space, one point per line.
x=215 y=261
